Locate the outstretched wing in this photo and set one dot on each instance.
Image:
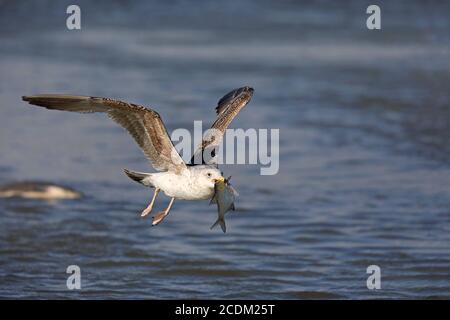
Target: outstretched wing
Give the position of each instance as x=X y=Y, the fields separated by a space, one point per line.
x=227 y=109
x=145 y=125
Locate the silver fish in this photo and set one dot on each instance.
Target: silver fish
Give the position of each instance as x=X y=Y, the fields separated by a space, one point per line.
x=224 y=195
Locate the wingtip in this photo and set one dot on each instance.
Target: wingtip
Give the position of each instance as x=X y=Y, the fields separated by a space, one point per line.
x=244 y=93
x=248 y=89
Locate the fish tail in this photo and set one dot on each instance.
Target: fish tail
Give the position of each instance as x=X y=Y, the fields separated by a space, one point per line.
x=222 y=224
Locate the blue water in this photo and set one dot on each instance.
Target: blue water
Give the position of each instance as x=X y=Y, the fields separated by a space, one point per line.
x=364 y=125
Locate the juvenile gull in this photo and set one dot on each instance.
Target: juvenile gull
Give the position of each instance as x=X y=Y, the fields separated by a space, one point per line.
x=176 y=179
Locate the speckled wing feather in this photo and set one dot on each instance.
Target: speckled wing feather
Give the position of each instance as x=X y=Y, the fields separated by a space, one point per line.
x=145 y=125
x=227 y=109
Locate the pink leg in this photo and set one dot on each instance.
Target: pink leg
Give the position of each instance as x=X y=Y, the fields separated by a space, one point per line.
x=162 y=214
x=150 y=206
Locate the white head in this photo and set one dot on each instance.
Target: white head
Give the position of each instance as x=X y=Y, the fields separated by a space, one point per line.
x=207 y=175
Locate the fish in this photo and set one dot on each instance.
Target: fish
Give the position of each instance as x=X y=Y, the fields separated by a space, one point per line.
x=224 y=196
x=38 y=190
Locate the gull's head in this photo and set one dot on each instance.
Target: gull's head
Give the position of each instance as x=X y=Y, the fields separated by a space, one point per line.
x=208 y=175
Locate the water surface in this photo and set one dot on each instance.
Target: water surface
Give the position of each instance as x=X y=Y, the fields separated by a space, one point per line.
x=364 y=155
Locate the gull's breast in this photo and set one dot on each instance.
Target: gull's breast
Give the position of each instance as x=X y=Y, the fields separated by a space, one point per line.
x=181 y=187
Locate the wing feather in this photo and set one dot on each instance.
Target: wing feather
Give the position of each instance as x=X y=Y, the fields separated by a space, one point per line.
x=227 y=109
x=144 y=125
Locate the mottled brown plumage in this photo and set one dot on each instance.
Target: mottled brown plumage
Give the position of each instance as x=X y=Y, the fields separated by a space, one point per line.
x=227 y=109
x=145 y=125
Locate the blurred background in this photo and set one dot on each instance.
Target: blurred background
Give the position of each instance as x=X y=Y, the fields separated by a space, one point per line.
x=364 y=125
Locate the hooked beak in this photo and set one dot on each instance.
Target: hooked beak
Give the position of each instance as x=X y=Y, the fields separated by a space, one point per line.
x=220 y=179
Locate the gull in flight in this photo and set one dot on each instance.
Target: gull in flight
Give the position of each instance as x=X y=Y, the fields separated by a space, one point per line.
x=177 y=179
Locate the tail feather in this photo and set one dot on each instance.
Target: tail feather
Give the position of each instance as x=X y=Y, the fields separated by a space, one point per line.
x=222 y=224
x=140 y=177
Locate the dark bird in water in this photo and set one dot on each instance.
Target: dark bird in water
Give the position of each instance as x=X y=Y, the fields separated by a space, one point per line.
x=38 y=190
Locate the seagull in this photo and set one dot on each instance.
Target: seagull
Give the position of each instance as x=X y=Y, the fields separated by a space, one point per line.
x=177 y=179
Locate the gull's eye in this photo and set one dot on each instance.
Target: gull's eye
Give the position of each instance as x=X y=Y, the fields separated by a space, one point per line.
x=209 y=175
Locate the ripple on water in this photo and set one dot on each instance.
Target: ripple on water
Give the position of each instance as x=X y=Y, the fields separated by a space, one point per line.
x=363 y=173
